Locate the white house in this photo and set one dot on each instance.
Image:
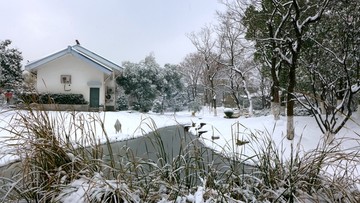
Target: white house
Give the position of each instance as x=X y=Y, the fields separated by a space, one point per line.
x=77 y=70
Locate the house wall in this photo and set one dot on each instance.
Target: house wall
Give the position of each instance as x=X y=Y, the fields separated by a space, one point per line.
x=83 y=76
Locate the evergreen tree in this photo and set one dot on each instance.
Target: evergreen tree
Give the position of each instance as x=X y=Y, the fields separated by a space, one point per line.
x=10 y=66
x=139 y=82
x=171 y=88
x=147 y=85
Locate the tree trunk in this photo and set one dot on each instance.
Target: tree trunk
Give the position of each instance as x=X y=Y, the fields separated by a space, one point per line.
x=251 y=108
x=329 y=137
x=275 y=103
x=248 y=95
x=291 y=102
x=322 y=107
x=235 y=97
x=214 y=104
x=341 y=112
x=290 y=130
x=290 y=117
x=213 y=96
x=206 y=96
x=275 y=109
x=234 y=91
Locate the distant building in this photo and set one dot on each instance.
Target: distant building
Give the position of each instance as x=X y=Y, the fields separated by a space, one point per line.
x=79 y=71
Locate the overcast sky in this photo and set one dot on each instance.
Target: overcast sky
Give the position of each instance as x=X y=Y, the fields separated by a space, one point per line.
x=119 y=30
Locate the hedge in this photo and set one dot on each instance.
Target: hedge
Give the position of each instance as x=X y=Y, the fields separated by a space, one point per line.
x=29 y=98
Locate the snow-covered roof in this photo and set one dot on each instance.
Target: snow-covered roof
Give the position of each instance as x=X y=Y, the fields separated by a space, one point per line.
x=80 y=52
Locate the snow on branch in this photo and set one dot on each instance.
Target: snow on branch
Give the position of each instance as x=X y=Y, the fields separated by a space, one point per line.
x=283 y=20
x=283 y=57
x=355 y=88
x=310 y=19
x=341 y=61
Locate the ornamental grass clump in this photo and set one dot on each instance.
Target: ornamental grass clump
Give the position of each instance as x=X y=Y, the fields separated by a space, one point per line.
x=48 y=157
x=327 y=173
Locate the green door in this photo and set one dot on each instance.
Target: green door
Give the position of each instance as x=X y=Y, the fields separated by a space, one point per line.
x=94 y=97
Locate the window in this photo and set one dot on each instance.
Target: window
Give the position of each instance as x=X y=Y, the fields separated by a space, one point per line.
x=65 y=79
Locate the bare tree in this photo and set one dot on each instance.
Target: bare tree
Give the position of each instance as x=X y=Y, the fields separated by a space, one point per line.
x=192 y=70
x=236 y=53
x=205 y=44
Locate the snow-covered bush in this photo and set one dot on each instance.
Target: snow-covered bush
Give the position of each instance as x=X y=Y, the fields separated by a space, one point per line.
x=158 y=106
x=228 y=112
x=122 y=103
x=147 y=81
x=142 y=106
x=55 y=98
x=195 y=106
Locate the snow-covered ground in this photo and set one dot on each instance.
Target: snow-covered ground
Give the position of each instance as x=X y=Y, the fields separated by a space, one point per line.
x=225 y=131
x=221 y=133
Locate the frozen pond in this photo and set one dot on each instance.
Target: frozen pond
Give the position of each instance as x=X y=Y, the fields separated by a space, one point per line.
x=168 y=144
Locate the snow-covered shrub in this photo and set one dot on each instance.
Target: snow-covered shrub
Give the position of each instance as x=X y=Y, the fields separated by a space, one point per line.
x=142 y=106
x=299 y=111
x=158 y=106
x=228 y=112
x=195 y=106
x=147 y=81
x=122 y=103
x=176 y=107
x=55 y=98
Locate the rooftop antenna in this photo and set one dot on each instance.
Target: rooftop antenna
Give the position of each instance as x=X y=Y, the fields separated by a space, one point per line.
x=77 y=42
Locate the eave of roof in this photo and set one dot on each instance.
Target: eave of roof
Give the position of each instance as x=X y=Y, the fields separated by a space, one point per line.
x=95 y=60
